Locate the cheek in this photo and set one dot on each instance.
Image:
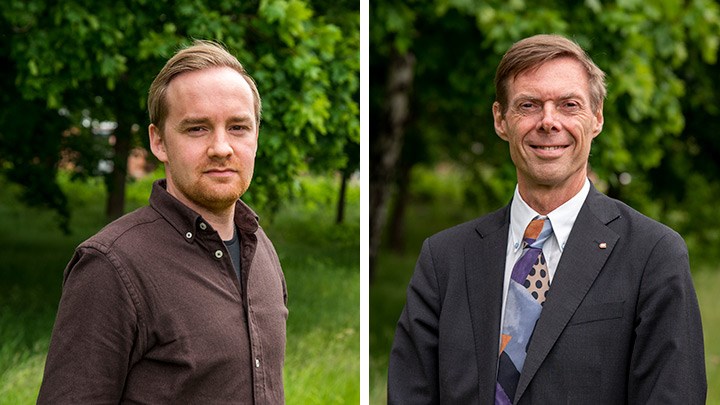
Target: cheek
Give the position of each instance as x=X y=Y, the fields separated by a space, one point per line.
x=186 y=154
x=584 y=142
x=516 y=132
x=522 y=125
x=246 y=150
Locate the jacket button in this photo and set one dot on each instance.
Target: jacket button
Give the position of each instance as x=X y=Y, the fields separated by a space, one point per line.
x=203 y=226
x=218 y=254
x=257 y=363
x=188 y=235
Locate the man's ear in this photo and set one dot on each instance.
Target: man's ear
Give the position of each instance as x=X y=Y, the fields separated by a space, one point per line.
x=257 y=137
x=599 y=121
x=499 y=121
x=157 y=143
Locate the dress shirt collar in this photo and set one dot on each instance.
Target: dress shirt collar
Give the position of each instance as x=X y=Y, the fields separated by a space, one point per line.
x=186 y=221
x=562 y=218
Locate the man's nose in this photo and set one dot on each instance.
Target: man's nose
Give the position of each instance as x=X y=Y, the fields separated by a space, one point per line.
x=549 y=121
x=220 y=146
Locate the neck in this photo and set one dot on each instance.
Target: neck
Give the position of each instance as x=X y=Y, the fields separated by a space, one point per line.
x=546 y=199
x=223 y=222
x=221 y=218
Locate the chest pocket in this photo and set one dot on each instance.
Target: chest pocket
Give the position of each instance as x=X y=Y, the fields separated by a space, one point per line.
x=597 y=312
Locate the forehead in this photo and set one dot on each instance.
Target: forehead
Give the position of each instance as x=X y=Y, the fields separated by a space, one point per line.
x=550 y=79
x=209 y=90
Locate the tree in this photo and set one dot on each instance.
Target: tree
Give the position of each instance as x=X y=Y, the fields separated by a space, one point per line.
x=390 y=33
x=98 y=57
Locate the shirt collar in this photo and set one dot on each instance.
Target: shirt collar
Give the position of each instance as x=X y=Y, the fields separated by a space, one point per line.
x=186 y=220
x=562 y=218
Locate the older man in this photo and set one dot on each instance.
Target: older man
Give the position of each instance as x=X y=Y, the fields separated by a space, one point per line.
x=564 y=296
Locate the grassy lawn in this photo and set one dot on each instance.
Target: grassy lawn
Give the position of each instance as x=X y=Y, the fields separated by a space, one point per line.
x=387 y=292
x=707 y=283
x=320 y=260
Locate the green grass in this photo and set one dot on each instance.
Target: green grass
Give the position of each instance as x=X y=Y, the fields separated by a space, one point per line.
x=387 y=292
x=321 y=263
x=707 y=285
x=387 y=298
x=320 y=260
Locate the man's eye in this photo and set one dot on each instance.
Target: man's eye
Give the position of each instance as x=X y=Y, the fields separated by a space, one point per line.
x=240 y=129
x=194 y=130
x=527 y=107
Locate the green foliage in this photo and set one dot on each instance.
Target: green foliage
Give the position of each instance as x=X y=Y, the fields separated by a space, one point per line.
x=392 y=28
x=661 y=113
x=695 y=218
x=96 y=61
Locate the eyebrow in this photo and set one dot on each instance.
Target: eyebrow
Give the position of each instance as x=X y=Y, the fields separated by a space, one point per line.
x=526 y=96
x=187 y=122
x=241 y=118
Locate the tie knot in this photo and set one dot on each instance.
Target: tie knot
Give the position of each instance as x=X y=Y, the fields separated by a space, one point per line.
x=537 y=232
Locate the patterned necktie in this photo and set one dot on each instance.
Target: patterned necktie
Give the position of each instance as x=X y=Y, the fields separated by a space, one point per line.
x=529 y=283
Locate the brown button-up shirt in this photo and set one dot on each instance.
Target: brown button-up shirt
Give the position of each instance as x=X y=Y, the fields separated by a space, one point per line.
x=152 y=312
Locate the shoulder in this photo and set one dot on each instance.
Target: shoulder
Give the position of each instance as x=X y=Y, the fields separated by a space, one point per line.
x=265 y=244
x=105 y=258
x=481 y=226
x=632 y=224
x=132 y=227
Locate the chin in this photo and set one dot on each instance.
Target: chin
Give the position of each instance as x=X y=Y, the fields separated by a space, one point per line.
x=219 y=197
x=217 y=203
x=545 y=179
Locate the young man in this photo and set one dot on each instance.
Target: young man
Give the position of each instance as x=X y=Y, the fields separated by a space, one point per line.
x=183 y=301
x=564 y=295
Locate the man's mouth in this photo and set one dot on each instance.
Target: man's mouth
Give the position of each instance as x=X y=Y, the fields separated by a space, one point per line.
x=219 y=170
x=547 y=147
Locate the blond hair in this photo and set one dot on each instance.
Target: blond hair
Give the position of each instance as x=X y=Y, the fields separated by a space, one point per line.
x=198 y=56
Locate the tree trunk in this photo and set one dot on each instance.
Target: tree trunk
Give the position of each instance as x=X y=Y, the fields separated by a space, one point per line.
x=397 y=219
x=387 y=145
x=341 y=198
x=115 y=181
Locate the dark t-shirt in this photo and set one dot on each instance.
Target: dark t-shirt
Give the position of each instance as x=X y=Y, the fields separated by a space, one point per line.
x=233 y=247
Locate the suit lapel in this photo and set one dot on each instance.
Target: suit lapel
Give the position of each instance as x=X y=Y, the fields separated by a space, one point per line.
x=581 y=262
x=484 y=270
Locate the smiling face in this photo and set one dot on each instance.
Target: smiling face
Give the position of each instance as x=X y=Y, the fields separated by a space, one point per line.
x=549 y=125
x=209 y=138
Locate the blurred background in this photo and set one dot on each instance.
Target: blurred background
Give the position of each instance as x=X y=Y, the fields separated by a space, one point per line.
x=74 y=77
x=436 y=161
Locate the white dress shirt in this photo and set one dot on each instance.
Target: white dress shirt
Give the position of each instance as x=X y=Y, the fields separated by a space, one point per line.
x=561 y=219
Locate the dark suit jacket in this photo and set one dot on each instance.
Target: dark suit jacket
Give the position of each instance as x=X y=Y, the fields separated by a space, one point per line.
x=620 y=325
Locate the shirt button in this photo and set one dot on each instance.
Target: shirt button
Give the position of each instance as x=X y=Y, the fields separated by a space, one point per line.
x=257 y=363
x=188 y=235
x=203 y=226
x=218 y=254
